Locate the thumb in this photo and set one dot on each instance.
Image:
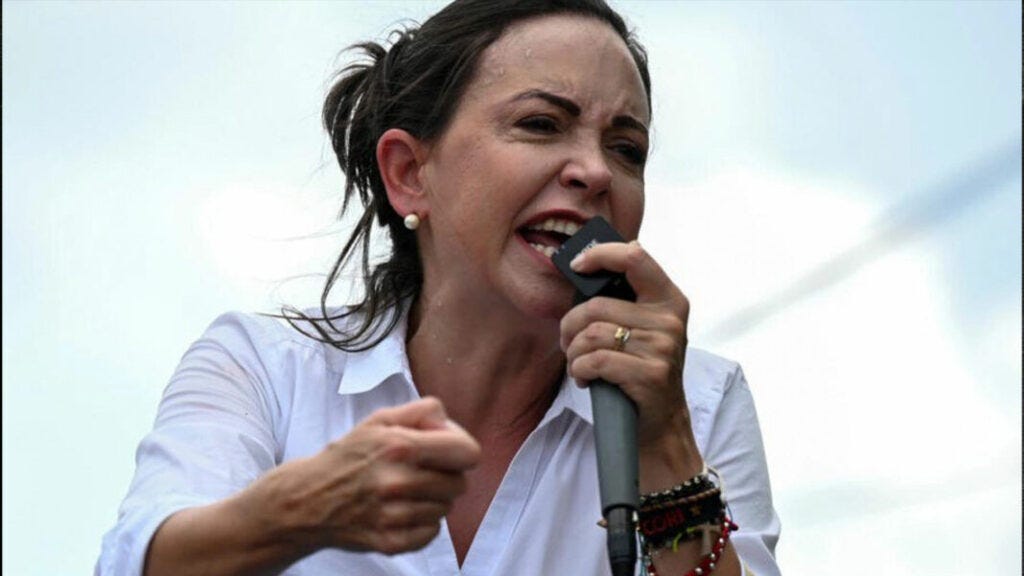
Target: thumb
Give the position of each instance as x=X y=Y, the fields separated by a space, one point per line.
x=424 y=414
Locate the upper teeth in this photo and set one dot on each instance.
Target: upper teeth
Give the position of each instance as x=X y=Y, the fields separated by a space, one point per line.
x=567 y=227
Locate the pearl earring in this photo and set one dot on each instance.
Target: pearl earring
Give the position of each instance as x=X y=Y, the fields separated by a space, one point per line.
x=412 y=221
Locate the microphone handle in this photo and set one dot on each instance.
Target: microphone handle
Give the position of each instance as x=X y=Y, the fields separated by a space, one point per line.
x=617 y=470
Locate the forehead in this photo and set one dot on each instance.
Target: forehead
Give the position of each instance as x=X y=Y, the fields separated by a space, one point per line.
x=578 y=57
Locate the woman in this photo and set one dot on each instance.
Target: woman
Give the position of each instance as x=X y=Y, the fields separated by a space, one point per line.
x=439 y=426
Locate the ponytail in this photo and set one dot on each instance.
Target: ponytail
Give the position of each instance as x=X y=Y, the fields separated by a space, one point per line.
x=353 y=116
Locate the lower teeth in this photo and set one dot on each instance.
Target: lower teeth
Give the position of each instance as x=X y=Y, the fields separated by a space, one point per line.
x=548 y=251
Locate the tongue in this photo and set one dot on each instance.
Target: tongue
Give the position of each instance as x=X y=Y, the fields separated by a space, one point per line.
x=553 y=239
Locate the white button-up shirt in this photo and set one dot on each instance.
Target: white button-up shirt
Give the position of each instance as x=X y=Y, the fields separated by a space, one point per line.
x=252 y=393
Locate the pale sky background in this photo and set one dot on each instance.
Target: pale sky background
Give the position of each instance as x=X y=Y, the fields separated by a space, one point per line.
x=836 y=186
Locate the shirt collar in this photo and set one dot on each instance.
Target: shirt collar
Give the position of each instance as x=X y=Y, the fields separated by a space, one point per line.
x=368 y=369
x=570 y=398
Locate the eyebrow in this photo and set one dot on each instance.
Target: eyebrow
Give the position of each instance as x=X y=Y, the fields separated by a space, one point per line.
x=628 y=122
x=564 y=103
x=622 y=121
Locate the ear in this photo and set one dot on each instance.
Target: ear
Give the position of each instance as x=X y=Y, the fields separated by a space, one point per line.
x=400 y=156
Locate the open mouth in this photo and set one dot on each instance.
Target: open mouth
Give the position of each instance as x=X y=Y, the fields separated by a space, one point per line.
x=546 y=236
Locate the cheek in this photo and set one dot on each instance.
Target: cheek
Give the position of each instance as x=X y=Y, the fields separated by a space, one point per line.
x=629 y=212
x=502 y=180
x=455 y=186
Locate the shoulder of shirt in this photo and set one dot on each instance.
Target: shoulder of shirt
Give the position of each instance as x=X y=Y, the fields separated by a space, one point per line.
x=707 y=380
x=268 y=335
x=712 y=370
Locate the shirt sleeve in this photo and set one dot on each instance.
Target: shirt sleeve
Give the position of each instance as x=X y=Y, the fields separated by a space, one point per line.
x=736 y=450
x=213 y=435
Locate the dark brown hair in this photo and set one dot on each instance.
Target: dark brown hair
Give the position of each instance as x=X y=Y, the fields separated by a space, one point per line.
x=415 y=85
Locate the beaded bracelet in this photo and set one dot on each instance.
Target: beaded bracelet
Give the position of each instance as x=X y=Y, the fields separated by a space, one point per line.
x=707 y=564
x=661 y=505
x=699 y=483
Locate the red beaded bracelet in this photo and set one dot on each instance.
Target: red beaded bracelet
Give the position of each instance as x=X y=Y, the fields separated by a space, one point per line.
x=707 y=564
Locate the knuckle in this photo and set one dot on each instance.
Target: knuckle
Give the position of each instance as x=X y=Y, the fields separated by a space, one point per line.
x=425 y=535
x=662 y=371
x=600 y=307
x=676 y=326
x=384 y=519
x=564 y=326
x=635 y=255
x=389 y=487
x=338 y=446
x=397 y=447
x=394 y=517
x=664 y=347
x=584 y=313
x=590 y=311
x=592 y=335
x=402 y=540
x=582 y=367
x=391 y=542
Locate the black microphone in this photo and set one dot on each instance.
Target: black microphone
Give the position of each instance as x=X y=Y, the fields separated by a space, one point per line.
x=614 y=412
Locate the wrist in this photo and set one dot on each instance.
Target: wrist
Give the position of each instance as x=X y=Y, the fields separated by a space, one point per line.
x=670 y=459
x=272 y=510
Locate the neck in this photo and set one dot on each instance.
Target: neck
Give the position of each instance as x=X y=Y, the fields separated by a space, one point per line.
x=496 y=372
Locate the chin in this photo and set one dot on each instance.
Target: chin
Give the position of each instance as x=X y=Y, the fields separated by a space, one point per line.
x=538 y=297
x=552 y=306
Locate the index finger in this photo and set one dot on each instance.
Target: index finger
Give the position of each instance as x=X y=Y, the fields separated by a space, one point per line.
x=643 y=273
x=425 y=413
x=450 y=448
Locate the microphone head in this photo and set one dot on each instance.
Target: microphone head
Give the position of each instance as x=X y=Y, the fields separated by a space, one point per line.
x=596 y=231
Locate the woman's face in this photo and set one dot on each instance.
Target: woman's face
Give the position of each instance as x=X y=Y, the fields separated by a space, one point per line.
x=551 y=131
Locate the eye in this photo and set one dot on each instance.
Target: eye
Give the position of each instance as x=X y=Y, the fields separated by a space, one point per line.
x=633 y=153
x=539 y=124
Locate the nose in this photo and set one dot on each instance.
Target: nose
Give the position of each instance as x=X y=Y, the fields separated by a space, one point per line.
x=587 y=170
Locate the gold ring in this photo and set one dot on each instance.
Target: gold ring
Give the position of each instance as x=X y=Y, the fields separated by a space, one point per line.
x=621 y=337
